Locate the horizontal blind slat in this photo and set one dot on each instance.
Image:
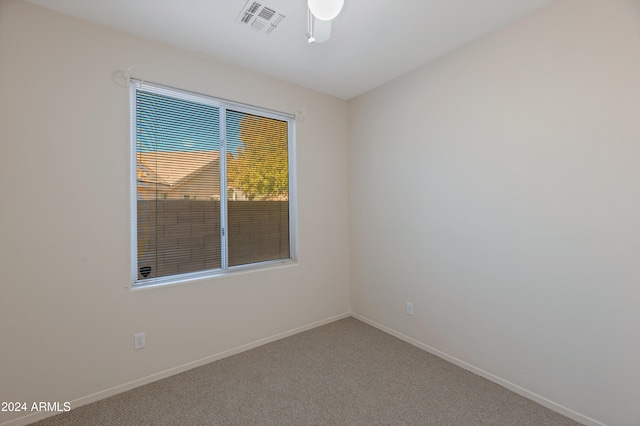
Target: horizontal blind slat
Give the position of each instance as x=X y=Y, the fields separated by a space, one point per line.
x=177 y=158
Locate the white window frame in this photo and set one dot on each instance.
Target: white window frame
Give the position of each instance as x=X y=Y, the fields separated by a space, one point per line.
x=223 y=105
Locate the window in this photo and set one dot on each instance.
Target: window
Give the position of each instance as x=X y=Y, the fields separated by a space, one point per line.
x=211 y=187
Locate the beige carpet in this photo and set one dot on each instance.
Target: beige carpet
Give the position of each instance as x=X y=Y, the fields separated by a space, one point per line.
x=343 y=373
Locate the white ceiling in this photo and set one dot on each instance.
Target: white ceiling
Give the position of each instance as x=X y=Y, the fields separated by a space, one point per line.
x=372 y=41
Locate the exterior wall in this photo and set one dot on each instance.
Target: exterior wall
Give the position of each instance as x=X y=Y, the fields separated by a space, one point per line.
x=179 y=236
x=203 y=185
x=258 y=231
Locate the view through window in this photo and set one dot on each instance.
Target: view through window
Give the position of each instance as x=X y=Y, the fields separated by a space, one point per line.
x=212 y=185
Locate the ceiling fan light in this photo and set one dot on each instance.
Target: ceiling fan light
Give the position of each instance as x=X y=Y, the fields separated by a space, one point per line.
x=325 y=10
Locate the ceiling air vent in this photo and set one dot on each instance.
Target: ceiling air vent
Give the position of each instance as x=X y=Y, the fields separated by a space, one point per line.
x=260 y=16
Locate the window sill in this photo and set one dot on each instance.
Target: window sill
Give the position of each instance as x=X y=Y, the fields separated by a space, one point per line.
x=214 y=274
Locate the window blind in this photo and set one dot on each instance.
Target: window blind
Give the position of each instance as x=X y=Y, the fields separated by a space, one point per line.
x=178 y=185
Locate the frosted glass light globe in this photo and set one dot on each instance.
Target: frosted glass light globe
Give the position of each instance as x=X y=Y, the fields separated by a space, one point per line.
x=325 y=10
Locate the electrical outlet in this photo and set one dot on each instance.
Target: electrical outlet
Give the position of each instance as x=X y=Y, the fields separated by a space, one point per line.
x=138 y=341
x=409 y=308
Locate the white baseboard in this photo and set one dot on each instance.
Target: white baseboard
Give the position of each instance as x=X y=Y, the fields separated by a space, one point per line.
x=504 y=383
x=21 y=421
x=30 y=418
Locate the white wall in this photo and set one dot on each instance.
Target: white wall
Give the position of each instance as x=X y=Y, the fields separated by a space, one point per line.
x=67 y=319
x=498 y=190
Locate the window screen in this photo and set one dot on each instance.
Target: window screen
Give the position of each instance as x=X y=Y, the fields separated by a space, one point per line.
x=258 y=180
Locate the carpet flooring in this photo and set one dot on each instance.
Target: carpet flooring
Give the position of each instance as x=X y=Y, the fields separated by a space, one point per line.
x=342 y=373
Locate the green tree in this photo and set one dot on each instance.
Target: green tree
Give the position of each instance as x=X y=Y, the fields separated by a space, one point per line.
x=260 y=168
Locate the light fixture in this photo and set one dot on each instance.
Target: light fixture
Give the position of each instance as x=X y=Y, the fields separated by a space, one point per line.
x=325 y=10
x=310 y=27
x=319 y=16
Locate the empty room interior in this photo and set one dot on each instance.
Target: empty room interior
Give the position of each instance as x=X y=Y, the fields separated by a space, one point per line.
x=461 y=175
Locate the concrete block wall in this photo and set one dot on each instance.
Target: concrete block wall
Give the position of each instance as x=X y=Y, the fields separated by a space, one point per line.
x=258 y=231
x=179 y=236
